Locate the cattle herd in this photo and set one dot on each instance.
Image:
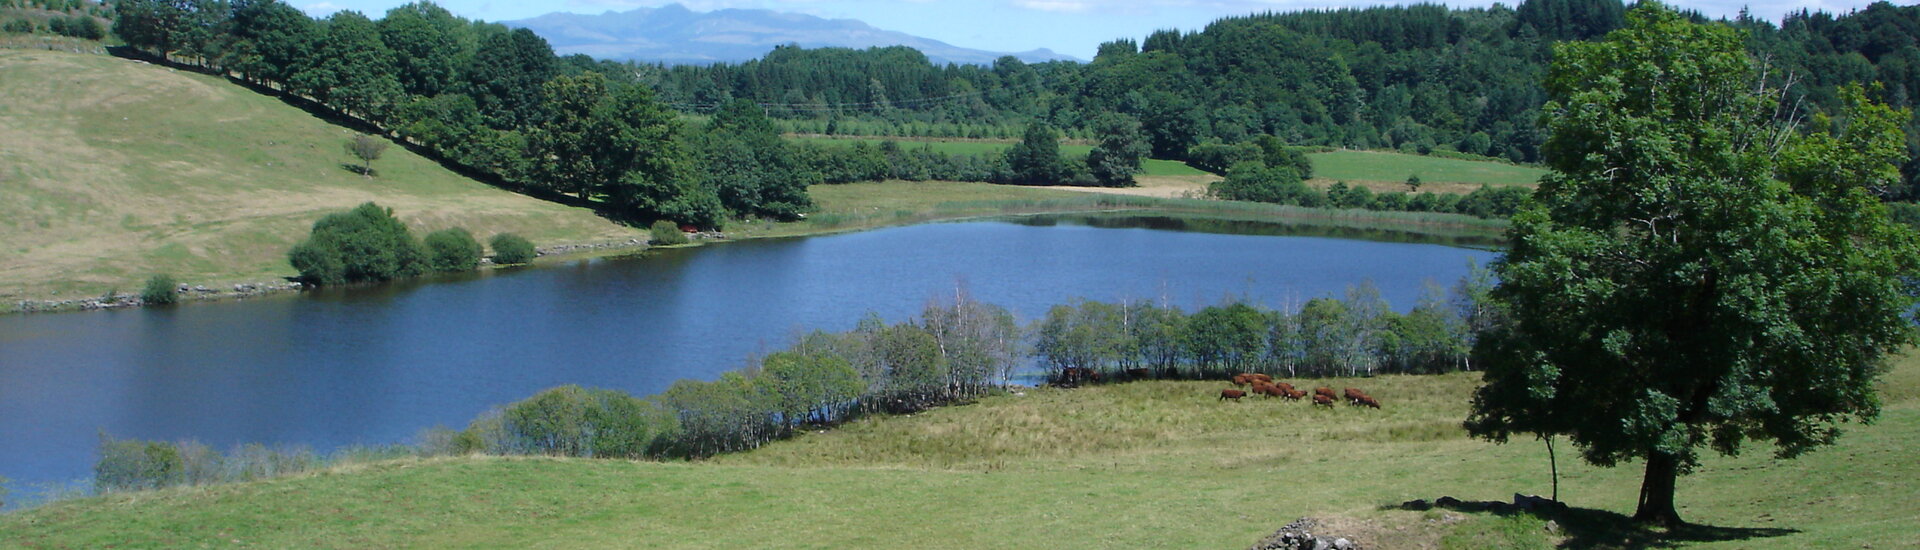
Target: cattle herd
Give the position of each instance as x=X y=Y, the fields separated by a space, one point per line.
x=1264 y=385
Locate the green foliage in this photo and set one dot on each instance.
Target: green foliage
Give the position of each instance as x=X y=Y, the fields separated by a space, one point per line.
x=1260 y=183
x=161 y=289
x=1121 y=147
x=754 y=171
x=616 y=143
x=575 y=421
x=1036 y=159
x=666 y=233
x=366 y=244
x=1220 y=158
x=1676 y=285
x=77 y=26
x=802 y=387
x=351 y=69
x=21 y=26
x=511 y=249
x=131 y=465
x=453 y=250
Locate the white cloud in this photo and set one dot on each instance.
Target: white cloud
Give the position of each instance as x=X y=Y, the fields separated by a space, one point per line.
x=1060 y=6
x=321 y=9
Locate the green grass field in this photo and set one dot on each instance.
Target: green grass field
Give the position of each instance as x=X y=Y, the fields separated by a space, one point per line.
x=1155 y=464
x=113 y=170
x=1368 y=167
x=1394 y=168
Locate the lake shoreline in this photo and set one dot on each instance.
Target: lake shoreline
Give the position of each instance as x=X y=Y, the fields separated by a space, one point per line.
x=567 y=252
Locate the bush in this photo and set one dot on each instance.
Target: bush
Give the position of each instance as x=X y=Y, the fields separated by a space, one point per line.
x=452 y=250
x=161 y=290
x=361 y=245
x=667 y=233
x=575 y=421
x=77 y=26
x=511 y=249
x=18 y=25
x=128 y=464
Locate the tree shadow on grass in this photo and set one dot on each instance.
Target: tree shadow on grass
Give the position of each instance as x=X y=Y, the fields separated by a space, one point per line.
x=359 y=170
x=1591 y=529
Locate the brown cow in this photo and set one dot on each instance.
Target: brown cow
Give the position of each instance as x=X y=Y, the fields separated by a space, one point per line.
x=1240 y=380
x=1231 y=394
x=1260 y=377
x=1326 y=391
x=1269 y=390
x=1285 y=387
x=1321 y=400
x=1293 y=394
x=1354 y=395
x=1368 y=400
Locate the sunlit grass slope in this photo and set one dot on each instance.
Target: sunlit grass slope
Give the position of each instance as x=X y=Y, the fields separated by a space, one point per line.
x=113 y=170
x=1156 y=464
x=1384 y=171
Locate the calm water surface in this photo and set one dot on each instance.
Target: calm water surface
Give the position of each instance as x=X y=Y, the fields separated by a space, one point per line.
x=377 y=365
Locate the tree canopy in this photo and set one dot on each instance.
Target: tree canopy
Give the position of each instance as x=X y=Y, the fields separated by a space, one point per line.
x=1697 y=270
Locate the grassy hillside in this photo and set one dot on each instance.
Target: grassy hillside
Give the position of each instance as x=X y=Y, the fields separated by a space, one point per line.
x=1160 y=464
x=113 y=170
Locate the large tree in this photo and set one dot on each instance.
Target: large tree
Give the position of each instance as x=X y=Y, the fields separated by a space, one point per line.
x=1116 y=158
x=614 y=142
x=1697 y=269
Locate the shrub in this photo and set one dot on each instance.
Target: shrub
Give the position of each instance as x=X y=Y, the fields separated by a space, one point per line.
x=18 y=25
x=452 y=250
x=575 y=421
x=129 y=464
x=667 y=233
x=161 y=290
x=510 y=249
x=361 y=245
x=77 y=26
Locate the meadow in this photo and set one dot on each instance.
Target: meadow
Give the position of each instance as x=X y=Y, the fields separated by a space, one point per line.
x=1147 y=464
x=1385 y=171
x=115 y=170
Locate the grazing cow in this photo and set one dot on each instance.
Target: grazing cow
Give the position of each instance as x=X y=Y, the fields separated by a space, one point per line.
x=1074 y=376
x=1240 y=380
x=1321 y=400
x=1326 y=391
x=1368 y=400
x=1285 y=387
x=1260 y=377
x=1269 y=390
x=1231 y=394
x=1354 y=395
x=1293 y=394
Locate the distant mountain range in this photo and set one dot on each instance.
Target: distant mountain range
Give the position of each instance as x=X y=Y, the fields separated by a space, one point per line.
x=673 y=34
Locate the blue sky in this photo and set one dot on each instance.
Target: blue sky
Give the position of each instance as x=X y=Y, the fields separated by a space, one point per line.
x=1073 y=27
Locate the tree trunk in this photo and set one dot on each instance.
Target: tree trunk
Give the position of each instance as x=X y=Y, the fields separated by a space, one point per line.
x=1656 y=491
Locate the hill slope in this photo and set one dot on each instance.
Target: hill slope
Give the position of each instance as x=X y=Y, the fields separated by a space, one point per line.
x=675 y=35
x=112 y=170
x=1154 y=464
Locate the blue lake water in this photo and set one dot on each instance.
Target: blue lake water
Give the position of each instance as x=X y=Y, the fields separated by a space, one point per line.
x=377 y=365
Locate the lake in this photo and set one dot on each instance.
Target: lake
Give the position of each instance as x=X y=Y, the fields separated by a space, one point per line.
x=378 y=364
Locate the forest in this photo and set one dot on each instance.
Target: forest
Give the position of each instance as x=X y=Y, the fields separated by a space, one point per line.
x=701 y=144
